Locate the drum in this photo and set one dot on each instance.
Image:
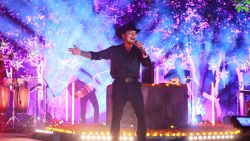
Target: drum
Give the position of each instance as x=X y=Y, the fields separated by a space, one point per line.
x=4 y=98
x=14 y=81
x=21 y=98
x=7 y=81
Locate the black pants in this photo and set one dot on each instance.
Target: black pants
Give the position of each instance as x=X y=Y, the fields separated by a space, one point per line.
x=123 y=92
x=92 y=98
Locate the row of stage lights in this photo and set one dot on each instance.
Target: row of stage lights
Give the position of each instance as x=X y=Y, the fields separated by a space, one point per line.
x=130 y=136
x=191 y=138
x=219 y=137
x=105 y=138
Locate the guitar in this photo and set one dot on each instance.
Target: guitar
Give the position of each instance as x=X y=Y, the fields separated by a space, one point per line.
x=37 y=85
x=85 y=90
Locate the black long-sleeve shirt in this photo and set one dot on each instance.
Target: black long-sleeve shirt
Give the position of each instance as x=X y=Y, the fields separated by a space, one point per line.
x=123 y=63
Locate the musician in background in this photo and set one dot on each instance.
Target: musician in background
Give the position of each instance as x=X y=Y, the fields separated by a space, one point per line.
x=228 y=89
x=212 y=75
x=85 y=92
x=244 y=97
x=2 y=70
x=3 y=96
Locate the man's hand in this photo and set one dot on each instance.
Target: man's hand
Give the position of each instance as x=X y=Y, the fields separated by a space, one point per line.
x=75 y=50
x=142 y=48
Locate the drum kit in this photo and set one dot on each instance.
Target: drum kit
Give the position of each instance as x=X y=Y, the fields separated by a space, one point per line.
x=14 y=100
x=18 y=102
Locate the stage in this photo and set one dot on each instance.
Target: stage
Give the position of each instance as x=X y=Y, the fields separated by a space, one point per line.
x=203 y=131
x=198 y=66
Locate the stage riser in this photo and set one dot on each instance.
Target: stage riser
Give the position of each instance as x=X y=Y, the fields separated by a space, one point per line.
x=164 y=106
x=77 y=137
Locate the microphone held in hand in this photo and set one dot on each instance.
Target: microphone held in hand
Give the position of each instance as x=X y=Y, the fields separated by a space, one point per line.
x=139 y=45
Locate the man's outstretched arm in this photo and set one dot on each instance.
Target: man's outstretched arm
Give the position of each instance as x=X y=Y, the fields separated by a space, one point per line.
x=77 y=51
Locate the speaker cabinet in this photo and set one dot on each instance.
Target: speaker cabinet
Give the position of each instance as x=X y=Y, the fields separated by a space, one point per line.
x=148 y=74
x=165 y=106
x=247 y=108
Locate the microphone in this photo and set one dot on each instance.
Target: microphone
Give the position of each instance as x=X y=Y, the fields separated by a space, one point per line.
x=141 y=48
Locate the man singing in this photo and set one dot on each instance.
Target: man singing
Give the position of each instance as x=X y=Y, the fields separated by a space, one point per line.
x=125 y=66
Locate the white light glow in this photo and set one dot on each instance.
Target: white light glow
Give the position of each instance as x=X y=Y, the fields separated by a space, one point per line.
x=73 y=104
x=67 y=105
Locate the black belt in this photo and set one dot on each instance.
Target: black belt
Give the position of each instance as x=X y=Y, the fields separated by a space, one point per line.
x=126 y=79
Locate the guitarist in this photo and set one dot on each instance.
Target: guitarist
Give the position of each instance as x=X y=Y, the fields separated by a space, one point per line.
x=85 y=92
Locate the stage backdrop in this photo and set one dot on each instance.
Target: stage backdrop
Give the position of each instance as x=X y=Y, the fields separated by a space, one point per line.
x=164 y=106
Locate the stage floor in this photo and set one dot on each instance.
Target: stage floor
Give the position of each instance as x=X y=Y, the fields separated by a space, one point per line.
x=80 y=132
x=17 y=137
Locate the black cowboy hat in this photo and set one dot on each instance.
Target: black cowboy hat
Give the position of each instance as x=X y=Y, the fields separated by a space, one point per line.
x=122 y=29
